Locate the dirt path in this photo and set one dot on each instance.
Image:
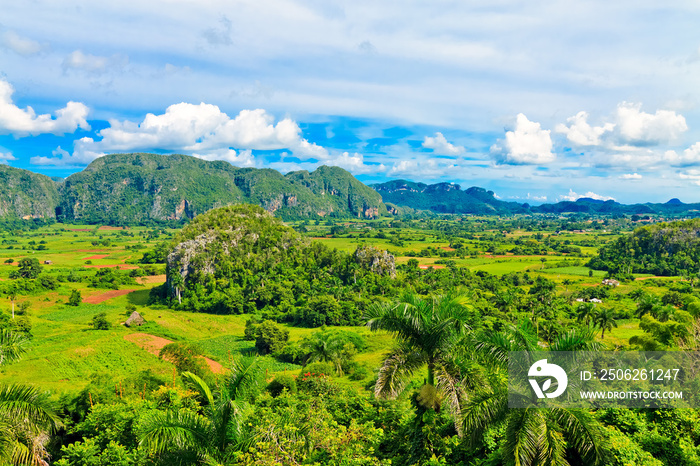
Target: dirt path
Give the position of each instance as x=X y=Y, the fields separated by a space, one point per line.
x=100 y=298
x=435 y=266
x=154 y=344
x=96 y=256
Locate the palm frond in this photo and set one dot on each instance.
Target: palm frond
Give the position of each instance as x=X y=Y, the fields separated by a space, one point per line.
x=395 y=373
x=485 y=407
x=577 y=340
x=524 y=436
x=25 y=404
x=163 y=431
x=583 y=432
x=200 y=386
x=448 y=382
x=12 y=345
x=245 y=378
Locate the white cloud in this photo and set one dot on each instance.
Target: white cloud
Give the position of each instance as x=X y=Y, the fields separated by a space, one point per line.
x=242 y=158
x=631 y=128
x=640 y=129
x=201 y=129
x=355 y=164
x=440 y=145
x=690 y=156
x=22 y=122
x=572 y=196
x=528 y=144
x=93 y=64
x=431 y=168
x=630 y=176
x=692 y=175
x=80 y=156
x=5 y=157
x=21 y=45
x=581 y=133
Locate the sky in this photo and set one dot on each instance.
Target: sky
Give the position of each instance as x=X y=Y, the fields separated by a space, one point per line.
x=538 y=101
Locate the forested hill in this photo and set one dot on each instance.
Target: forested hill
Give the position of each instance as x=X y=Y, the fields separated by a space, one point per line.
x=445 y=198
x=661 y=249
x=24 y=194
x=137 y=188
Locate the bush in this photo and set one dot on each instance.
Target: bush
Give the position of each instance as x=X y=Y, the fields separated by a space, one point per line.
x=100 y=322
x=75 y=298
x=282 y=382
x=270 y=337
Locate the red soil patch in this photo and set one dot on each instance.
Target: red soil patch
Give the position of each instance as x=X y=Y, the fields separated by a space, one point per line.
x=437 y=266
x=105 y=227
x=151 y=279
x=110 y=266
x=97 y=299
x=647 y=278
x=446 y=248
x=96 y=256
x=154 y=344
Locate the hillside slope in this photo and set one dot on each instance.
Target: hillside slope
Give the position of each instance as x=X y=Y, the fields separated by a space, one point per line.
x=137 y=188
x=24 y=194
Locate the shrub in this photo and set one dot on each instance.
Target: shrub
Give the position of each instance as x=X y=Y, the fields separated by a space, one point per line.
x=325 y=368
x=282 y=382
x=75 y=298
x=100 y=322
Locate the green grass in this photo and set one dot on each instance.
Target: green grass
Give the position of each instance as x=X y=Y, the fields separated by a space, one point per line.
x=580 y=271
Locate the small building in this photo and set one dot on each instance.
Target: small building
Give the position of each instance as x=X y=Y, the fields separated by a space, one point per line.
x=135 y=320
x=594 y=300
x=48 y=262
x=610 y=282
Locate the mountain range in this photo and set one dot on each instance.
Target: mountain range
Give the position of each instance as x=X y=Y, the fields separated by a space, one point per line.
x=139 y=188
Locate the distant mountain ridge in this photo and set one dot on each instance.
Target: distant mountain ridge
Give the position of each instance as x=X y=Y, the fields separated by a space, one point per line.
x=139 y=188
x=445 y=198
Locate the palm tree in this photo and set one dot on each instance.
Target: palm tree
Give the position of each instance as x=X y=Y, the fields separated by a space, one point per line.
x=26 y=415
x=648 y=304
x=585 y=312
x=533 y=436
x=214 y=433
x=329 y=347
x=605 y=320
x=428 y=332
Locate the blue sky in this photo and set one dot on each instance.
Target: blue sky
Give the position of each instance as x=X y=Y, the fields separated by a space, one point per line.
x=537 y=100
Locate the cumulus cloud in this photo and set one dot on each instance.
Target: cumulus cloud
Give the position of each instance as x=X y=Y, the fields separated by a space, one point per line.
x=22 y=122
x=572 y=196
x=528 y=144
x=26 y=47
x=690 y=156
x=692 y=175
x=242 y=158
x=93 y=64
x=581 y=133
x=201 y=129
x=5 y=157
x=440 y=145
x=631 y=128
x=630 y=176
x=431 y=168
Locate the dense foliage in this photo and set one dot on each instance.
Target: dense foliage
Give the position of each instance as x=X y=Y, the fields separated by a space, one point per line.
x=662 y=249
